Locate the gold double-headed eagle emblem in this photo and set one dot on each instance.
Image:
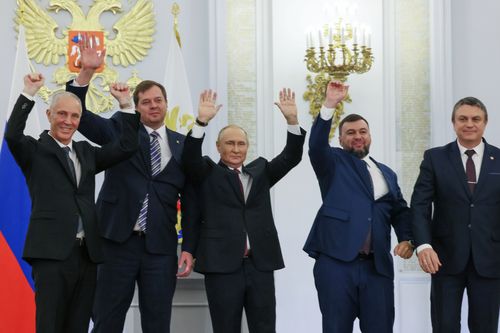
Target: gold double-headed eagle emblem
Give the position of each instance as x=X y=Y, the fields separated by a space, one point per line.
x=133 y=36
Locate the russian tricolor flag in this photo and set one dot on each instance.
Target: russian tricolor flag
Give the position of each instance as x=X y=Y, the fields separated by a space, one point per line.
x=17 y=303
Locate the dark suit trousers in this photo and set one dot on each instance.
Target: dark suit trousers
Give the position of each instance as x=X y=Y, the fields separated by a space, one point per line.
x=446 y=301
x=347 y=290
x=125 y=265
x=246 y=288
x=64 y=292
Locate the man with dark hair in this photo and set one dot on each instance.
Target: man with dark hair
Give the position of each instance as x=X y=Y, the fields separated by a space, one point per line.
x=63 y=244
x=456 y=223
x=239 y=249
x=351 y=235
x=137 y=208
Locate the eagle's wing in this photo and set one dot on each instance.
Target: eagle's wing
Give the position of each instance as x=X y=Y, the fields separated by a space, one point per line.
x=41 y=40
x=134 y=33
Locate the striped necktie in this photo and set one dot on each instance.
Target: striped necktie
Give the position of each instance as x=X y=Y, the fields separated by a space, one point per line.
x=154 y=145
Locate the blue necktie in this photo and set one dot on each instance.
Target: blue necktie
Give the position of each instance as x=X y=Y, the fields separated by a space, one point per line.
x=155 y=151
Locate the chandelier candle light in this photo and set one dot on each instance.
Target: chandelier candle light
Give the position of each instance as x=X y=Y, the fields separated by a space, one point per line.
x=342 y=48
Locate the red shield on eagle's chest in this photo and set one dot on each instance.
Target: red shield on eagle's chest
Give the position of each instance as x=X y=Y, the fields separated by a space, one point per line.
x=74 y=36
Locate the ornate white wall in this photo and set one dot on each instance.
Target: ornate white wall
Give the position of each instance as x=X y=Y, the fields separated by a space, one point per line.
x=427 y=55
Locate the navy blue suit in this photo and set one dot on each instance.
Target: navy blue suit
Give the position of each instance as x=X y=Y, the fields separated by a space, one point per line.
x=464 y=230
x=340 y=228
x=118 y=205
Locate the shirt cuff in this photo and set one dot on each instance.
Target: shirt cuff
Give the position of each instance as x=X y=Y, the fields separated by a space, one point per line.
x=326 y=113
x=294 y=129
x=197 y=131
x=130 y=110
x=31 y=98
x=423 y=247
x=75 y=84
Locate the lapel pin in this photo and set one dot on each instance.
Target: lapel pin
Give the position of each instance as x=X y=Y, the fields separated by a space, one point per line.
x=492 y=158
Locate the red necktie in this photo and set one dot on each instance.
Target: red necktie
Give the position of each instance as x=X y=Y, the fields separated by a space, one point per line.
x=470 y=170
x=246 y=251
x=366 y=248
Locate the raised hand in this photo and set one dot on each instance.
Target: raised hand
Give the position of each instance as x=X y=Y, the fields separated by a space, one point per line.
x=121 y=92
x=287 y=106
x=207 y=108
x=336 y=91
x=90 y=58
x=32 y=83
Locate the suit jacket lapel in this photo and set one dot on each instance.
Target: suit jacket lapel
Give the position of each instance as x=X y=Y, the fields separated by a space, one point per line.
x=456 y=162
x=360 y=167
x=251 y=172
x=83 y=163
x=143 y=160
x=232 y=179
x=46 y=139
x=486 y=167
x=390 y=184
x=175 y=146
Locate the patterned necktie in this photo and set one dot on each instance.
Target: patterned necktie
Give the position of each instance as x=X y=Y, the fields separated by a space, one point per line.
x=470 y=170
x=154 y=146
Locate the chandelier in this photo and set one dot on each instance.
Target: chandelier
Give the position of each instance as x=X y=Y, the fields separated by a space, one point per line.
x=342 y=48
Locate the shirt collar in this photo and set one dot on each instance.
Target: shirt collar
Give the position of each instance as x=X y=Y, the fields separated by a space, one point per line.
x=479 y=149
x=62 y=145
x=240 y=168
x=162 y=131
x=368 y=161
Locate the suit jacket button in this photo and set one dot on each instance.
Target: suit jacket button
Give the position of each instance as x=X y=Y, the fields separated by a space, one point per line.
x=469 y=226
x=471 y=205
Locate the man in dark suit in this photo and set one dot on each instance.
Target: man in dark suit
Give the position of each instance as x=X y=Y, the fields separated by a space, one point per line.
x=137 y=209
x=239 y=249
x=456 y=223
x=351 y=235
x=63 y=244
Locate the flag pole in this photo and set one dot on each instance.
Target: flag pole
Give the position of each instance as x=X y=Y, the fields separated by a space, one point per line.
x=176 y=11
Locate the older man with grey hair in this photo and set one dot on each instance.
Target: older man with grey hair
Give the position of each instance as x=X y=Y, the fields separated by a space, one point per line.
x=62 y=244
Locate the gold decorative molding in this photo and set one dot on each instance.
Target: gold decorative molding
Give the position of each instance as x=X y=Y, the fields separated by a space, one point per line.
x=133 y=39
